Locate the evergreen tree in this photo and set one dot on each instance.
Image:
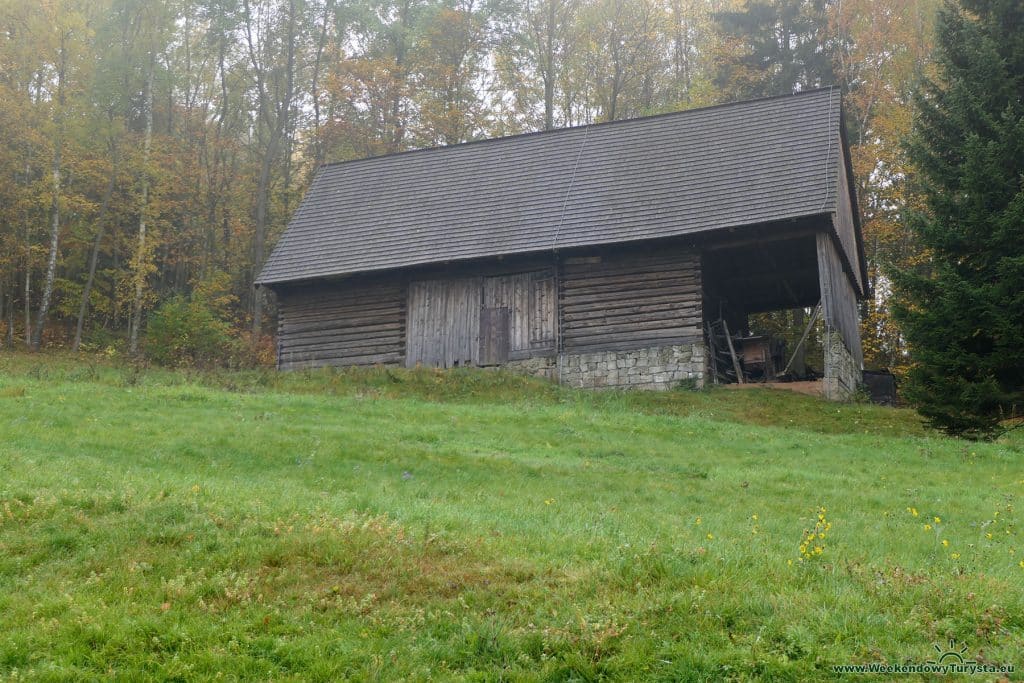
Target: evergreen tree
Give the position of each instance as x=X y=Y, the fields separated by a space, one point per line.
x=964 y=318
x=774 y=48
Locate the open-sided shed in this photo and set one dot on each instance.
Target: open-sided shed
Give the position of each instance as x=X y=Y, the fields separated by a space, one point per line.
x=597 y=254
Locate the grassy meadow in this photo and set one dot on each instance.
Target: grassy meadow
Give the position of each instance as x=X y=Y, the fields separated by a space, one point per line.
x=387 y=525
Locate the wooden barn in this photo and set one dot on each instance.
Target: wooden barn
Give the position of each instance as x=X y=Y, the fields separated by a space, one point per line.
x=630 y=253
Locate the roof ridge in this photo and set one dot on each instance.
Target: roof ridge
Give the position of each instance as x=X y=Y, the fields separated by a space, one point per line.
x=581 y=127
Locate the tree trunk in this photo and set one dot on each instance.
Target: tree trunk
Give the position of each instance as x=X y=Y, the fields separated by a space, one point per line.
x=140 y=256
x=397 y=120
x=318 y=146
x=28 y=289
x=260 y=235
x=549 y=69
x=58 y=144
x=278 y=131
x=83 y=308
x=10 y=320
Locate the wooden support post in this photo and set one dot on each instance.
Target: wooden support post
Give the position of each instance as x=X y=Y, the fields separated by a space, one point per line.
x=803 y=338
x=732 y=353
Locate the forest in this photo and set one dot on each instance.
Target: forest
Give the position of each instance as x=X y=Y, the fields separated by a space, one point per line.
x=154 y=150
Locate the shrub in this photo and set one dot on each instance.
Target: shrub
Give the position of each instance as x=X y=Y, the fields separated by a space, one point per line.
x=255 y=352
x=183 y=332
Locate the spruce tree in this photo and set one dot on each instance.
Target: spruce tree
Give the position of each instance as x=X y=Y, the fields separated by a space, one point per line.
x=964 y=317
x=780 y=46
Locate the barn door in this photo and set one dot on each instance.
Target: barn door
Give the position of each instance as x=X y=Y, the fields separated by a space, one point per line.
x=530 y=300
x=494 y=335
x=480 y=320
x=443 y=323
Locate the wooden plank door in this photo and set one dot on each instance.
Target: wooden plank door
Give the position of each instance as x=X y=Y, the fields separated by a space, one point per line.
x=443 y=327
x=495 y=328
x=530 y=300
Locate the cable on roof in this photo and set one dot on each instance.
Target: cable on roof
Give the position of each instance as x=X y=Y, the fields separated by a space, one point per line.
x=568 y=191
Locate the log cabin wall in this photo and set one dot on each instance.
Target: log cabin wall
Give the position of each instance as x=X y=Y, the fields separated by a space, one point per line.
x=623 y=299
x=638 y=308
x=632 y=318
x=367 y=320
x=354 y=322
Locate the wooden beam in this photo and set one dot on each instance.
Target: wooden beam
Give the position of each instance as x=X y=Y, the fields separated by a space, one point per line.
x=732 y=353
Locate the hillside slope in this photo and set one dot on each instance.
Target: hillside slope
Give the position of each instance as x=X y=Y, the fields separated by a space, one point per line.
x=479 y=526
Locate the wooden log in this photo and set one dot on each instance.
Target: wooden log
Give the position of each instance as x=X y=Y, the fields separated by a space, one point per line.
x=346 y=349
x=626 y=342
x=658 y=311
x=629 y=331
x=395 y=328
x=340 y=322
x=681 y=283
x=296 y=362
x=617 y=299
x=631 y=274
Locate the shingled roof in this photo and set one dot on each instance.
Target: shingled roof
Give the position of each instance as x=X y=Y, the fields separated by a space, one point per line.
x=667 y=175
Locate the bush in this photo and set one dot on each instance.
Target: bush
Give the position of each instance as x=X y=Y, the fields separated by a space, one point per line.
x=186 y=333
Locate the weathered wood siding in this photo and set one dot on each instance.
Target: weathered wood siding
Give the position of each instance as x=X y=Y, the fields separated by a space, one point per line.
x=359 y=322
x=844 y=224
x=445 y=316
x=444 y=322
x=604 y=301
x=620 y=300
x=838 y=298
x=530 y=298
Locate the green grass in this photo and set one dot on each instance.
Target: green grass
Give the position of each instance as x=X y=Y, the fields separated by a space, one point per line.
x=480 y=526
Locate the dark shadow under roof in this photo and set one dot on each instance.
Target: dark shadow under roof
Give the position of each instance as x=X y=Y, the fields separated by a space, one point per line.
x=661 y=176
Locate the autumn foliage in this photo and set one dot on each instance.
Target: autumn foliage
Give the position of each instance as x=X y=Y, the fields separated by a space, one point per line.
x=154 y=150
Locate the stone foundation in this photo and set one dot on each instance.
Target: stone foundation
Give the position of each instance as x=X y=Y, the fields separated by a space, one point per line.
x=659 y=367
x=545 y=367
x=662 y=367
x=842 y=374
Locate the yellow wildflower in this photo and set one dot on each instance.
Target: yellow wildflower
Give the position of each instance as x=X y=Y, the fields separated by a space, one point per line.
x=955 y=556
x=938 y=520
x=945 y=543
x=927 y=527
x=711 y=537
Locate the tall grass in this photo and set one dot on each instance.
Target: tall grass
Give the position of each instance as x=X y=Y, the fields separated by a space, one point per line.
x=481 y=526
